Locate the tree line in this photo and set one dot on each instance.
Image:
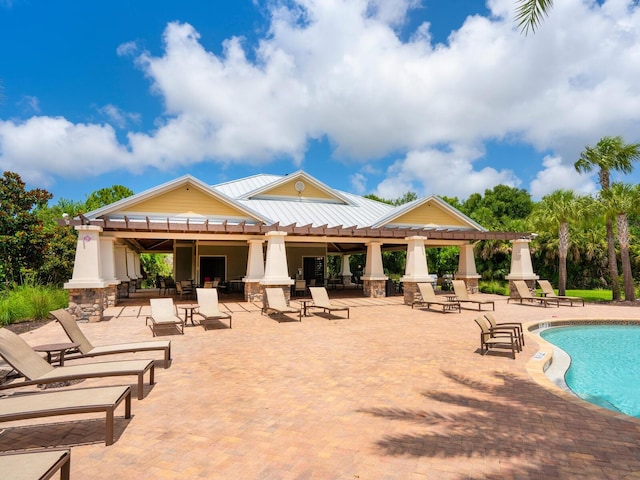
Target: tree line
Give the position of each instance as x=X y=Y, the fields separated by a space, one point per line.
x=583 y=241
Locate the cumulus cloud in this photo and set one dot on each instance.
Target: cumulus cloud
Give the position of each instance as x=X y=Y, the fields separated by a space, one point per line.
x=339 y=69
x=558 y=175
x=439 y=172
x=46 y=144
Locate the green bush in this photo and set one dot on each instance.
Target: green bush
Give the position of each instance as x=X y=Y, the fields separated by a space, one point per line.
x=494 y=286
x=29 y=302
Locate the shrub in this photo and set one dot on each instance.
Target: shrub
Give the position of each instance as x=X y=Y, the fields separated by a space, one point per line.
x=30 y=302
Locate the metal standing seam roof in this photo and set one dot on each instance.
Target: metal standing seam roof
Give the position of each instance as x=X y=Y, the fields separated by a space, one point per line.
x=361 y=212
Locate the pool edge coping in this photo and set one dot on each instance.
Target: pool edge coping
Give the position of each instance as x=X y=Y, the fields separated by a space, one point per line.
x=539 y=363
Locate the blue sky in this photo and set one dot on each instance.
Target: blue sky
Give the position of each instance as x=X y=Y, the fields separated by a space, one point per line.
x=369 y=96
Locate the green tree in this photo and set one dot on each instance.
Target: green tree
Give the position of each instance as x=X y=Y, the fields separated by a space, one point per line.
x=555 y=212
x=106 y=196
x=617 y=201
x=609 y=154
x=23 y=239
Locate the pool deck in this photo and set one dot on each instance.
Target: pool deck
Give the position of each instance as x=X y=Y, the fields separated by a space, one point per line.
x=391 y=393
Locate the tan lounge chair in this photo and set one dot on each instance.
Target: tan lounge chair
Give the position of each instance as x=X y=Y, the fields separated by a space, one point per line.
x=525 y=294
x=68 y=402
x=73 y=331
x=163 y=317
x=208 y=307
x=494 y=338
x=518 y=331
x=276 y=303
x=429 y=298
x=321 y=300
x=36 y=370
x=460 y=289
x=549 y=292
x=40 y=465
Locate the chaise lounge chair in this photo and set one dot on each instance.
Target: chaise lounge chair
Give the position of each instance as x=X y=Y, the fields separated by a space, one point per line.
x=496 y=338
x=86 y=349
x=36 y=370
x=549 y=292
x=276 y=303
x=525 y=294
x=429 y=298
x=321 y=300
x=208 y=307
x=68 y=402
x=163 y=317
x=460 y=289
x=40 y=465
x=518 y=331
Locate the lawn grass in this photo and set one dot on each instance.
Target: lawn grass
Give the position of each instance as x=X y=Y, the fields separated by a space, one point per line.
x=598 y=295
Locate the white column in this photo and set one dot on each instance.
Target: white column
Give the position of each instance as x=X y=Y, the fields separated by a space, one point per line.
x=346 y=270
x=87 y=268
x=467 y=263
x=521 y=267
x=416 y=269
x=276 y=271
x=131 y=265
x=255 y=262
x=120 y=254
x=373 y=269
x=108 y=260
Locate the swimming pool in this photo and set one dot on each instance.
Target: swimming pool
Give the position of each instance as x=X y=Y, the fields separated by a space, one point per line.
x=605 y=364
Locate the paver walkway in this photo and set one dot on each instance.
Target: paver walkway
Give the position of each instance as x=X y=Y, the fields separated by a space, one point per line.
x=391 y=393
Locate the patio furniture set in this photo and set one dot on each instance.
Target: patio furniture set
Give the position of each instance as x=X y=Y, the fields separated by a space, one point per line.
x=37 y=371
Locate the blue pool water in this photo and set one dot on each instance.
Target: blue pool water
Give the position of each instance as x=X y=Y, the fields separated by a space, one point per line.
x=605 y=364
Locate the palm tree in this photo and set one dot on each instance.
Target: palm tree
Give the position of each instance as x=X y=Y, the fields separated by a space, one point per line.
x=530 y=12
x=618 y=201
x=610 y=153
x=557 y=210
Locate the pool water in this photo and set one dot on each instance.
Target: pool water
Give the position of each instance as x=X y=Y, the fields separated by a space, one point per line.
x=605 y=364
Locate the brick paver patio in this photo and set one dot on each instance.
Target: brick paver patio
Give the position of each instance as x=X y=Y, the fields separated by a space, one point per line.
x=391 y=393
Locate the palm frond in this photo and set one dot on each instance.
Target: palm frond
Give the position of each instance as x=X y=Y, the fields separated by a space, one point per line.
x=530 y=13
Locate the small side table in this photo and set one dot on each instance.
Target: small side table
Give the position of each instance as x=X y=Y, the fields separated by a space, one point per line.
x=306 y=304
x=189 y=308
x=56 y=348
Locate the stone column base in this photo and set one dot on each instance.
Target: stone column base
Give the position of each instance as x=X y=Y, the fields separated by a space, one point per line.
x=411 y=292
x=111 y=296
x=513 y=292
x=285 y=288
x=374 y=288
x=253 y=292
x=470 y=282
x=87 y=304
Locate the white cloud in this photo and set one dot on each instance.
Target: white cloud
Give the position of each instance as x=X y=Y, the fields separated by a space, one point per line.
x=440 y=172
x=128 y=48
x=338 y=69
x=358 y=183
x=30 y=104
x=557 y=175
x=41 y=146
x=118 y=117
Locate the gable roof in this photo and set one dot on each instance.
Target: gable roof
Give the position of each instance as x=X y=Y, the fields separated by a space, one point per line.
x=272 y=200
x=188 y=203
x=334 y=209
x=426 y=212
